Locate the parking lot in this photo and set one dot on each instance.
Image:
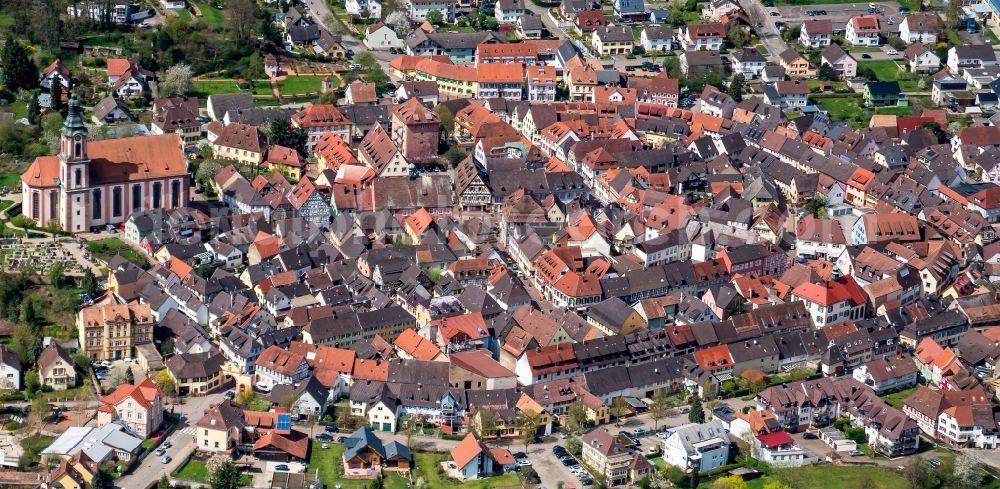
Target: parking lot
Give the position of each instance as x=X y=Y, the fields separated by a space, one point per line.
x=839 y=14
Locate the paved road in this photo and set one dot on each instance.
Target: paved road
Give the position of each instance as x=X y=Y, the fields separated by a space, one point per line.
x=767 y=32
x=182 y=439
x=552 y=27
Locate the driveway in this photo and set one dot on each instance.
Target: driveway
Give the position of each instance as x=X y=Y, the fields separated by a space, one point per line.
x=151 y=469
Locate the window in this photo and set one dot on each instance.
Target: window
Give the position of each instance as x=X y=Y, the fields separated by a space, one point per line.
x=175 y=194
x=116 y=202
x=157 y=195
x=97 y=207
x=35 y=203
x=77 y=177
x=136 y=197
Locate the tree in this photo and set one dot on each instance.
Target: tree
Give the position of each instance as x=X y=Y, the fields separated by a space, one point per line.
x=178 y=80
x=282 y=133
x=224 y=476
x=619 y=408
x=527 y=427
x=40 y=407
x=791 y=34
x=920 y=475
x=697 y=412
x=816 y=206
x=574 y=446
x=166 y=347
x=454 y=155
x=730 y=482
x=56 y=96
x=447 y=119
x=373 y=71
x=659 y=408
x=967 y=471
x=676 y=16
x=166 y=383
x=207 y=170
x=826 y=72
x=736 y=87
x=737 y=307
x=739 y=37
x=410 y=430
x=129 y=376
x=31 y=382
x=57 y=274
x=102 y=479
x=576 y=415
x=435 y=17
x=89 y=283
x=242 y=19
x=164 y=483
x=399 y=22
x=487 y=425
x=34 y=109
x=953 y=14
x=17 y=70
x=255 y=67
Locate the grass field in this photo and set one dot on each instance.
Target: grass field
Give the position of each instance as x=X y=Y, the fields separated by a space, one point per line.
x=107 y=248
x=211 y=15
x=885 y=69
x=294 y=85
x=327 y=460
x=197 y=471
x=4 y=204
x=896 y=398
x=844 y=108
x=837 y=477
x=6 y=20
x=427 y=464
x=10 y=179
x=204 y=88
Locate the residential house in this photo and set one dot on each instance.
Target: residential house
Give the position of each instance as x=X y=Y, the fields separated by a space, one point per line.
x=630 y=11
x=10 y=370
x=56 y=368
x=883 y=94
x=885 y=375
x=241 y=142
x=697 y=447
x=749 y=63
x=613 y=40
x=795 y=64
x=816 y=33
x=605 y=454
x=701 y=37
x=921 y=59
x=863 y=30
x=508 y=11
x=787 y=94
x=919 y=28
x=137 y=406
x=842 y=63
x=656 y=38
x=379 y=36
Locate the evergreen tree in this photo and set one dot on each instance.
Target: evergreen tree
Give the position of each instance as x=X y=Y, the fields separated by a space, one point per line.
x=89 y=283
x=736 y=87
x=697 y=413
x=34 y=110
x=17 y=70
x=225 y=476
x=282 y=133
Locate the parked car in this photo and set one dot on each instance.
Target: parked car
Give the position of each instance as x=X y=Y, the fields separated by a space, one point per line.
x=685 y=410
x=229 y=396
x=324 y=437
x=160 y=452
x=166 y=459
x=520 y=455
x=866 y=56
x=330 y=428
x=282 y=468
x=934 y=462
x=166 y=445
x=775 y=14
x=856 y=453
x=891 y=52
x=810 y=436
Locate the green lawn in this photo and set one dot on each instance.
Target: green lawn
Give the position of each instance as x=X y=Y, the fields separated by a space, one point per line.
x=6 y=20
x=184 y=14
x=4 y=204
x=10 y=179
x=197 y=471
x=294 y=85
x=259 y=404
x=204 y=88
x=427 y=464
x=329 y=462
x=107 y=248
x=896 y=398
x=902 y=111
x=838 y=477
x=211 y=15
x=845 y=109
x=885 y=69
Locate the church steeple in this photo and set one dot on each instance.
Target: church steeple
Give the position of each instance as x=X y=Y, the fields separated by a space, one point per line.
x=74 y=133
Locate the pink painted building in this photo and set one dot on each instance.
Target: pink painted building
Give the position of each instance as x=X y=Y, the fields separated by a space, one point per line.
x=95 y=183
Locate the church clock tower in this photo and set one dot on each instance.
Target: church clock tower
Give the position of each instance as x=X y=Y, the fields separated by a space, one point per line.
x=74 y=171
x=73 y=153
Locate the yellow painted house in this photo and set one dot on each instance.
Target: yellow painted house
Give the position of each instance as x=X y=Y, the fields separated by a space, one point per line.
x=76 y=473
x=614 y=317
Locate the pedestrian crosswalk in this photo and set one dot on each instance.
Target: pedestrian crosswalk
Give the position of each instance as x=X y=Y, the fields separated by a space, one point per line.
x=188 y=431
